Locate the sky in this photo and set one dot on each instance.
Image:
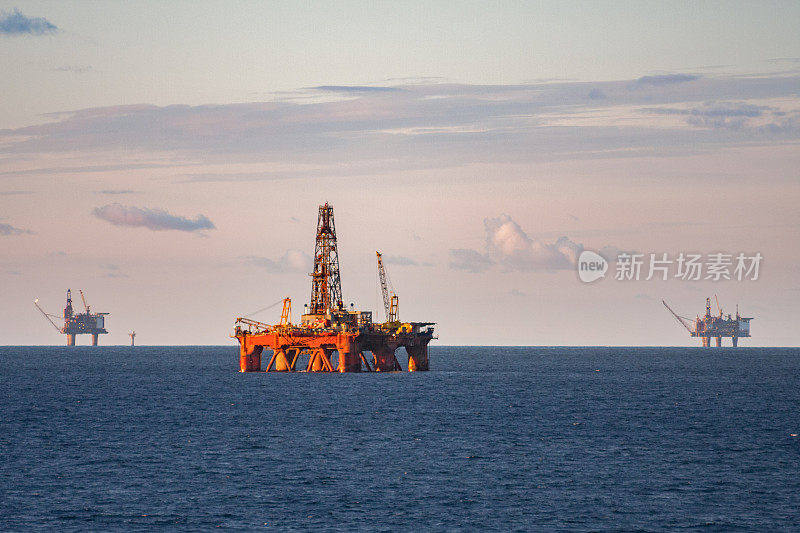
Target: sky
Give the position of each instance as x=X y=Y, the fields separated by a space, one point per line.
x=169 y=158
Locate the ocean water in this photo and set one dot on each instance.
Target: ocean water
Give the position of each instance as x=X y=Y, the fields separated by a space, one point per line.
x=492 y=438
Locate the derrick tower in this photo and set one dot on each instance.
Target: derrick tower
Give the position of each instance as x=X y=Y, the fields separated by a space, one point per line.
x=326 y=286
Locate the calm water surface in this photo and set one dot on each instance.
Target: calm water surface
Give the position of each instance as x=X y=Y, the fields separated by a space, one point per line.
x=574 y=439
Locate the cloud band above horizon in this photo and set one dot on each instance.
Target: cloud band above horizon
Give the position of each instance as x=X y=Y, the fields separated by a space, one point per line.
x=152 y=219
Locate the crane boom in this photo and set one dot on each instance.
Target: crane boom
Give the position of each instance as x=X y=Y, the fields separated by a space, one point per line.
x=384 y=289
x=390 y=301
x=682 y=321
x=83 y=298
x=286 y=313
x=36 y=303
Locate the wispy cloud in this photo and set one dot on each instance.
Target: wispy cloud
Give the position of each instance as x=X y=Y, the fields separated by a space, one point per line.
x=291 y=261
x=730 y=115
x=152 y=219
x=666 y=79
x=355 y=89
x=430 y=126
x=15 y=193
x=469 y=260
x=75 y=69
x=113 y=271
x=401 y=260
x=15 y=23
x=8 y=229
x=116 y=191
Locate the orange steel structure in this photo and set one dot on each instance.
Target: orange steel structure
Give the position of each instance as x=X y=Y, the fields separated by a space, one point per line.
x=328 y=332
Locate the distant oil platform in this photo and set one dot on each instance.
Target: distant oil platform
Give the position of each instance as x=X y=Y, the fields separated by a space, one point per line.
x=327 y=328
x=87 y=323
x=716 y=326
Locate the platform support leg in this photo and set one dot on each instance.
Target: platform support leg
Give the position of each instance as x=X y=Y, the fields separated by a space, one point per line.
x=417 y=358
x=719 y=342
x=735 y=342
x=249 y=356
x=349 y=360
x=319 y=361
x=282 y=363
x=94 y=339
x=385 y=360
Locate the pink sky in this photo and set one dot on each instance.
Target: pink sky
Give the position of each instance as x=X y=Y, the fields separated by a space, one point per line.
x=178 y=218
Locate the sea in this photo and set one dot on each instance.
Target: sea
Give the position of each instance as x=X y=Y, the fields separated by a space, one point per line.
x=490 y=439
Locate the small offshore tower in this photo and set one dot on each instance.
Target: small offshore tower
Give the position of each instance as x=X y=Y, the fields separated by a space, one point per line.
x=78 y=323
x=327 y=329
x=715 y=326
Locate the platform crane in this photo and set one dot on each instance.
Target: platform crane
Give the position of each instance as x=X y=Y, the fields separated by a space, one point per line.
x=83 y=299
x=47 y=315
x=390 y=300
x=682 y=320
x=286 y=313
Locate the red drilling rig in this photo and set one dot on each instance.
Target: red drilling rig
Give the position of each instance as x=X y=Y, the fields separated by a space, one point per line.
x=330 y=337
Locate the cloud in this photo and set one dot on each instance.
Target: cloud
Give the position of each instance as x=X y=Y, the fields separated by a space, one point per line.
x=419 y=127
x=469 y=260
x=666 y=79
x=595 y=94
x=15 y=193
x=8 y=229
x=15 y=23
x=355 y=89
x=291 y=261
x=731 y=115
x=113 y=271
x=508 y=245
x=153 y=219
x=718 y=109
x=75 y=69
x=400 y=260
x=116 y=191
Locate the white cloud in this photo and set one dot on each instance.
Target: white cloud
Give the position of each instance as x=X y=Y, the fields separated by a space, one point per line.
x=508 y=245
x=291 y=261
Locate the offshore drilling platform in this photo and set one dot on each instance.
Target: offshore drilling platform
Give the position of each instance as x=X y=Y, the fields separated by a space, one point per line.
x=716 y=326
x=327 y=329
x=77 y=324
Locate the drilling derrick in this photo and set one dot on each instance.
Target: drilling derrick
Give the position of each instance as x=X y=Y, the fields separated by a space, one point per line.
x=326 y=285
x=328 y=331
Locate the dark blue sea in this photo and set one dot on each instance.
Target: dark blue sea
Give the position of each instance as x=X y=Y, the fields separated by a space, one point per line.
x=542 y=439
